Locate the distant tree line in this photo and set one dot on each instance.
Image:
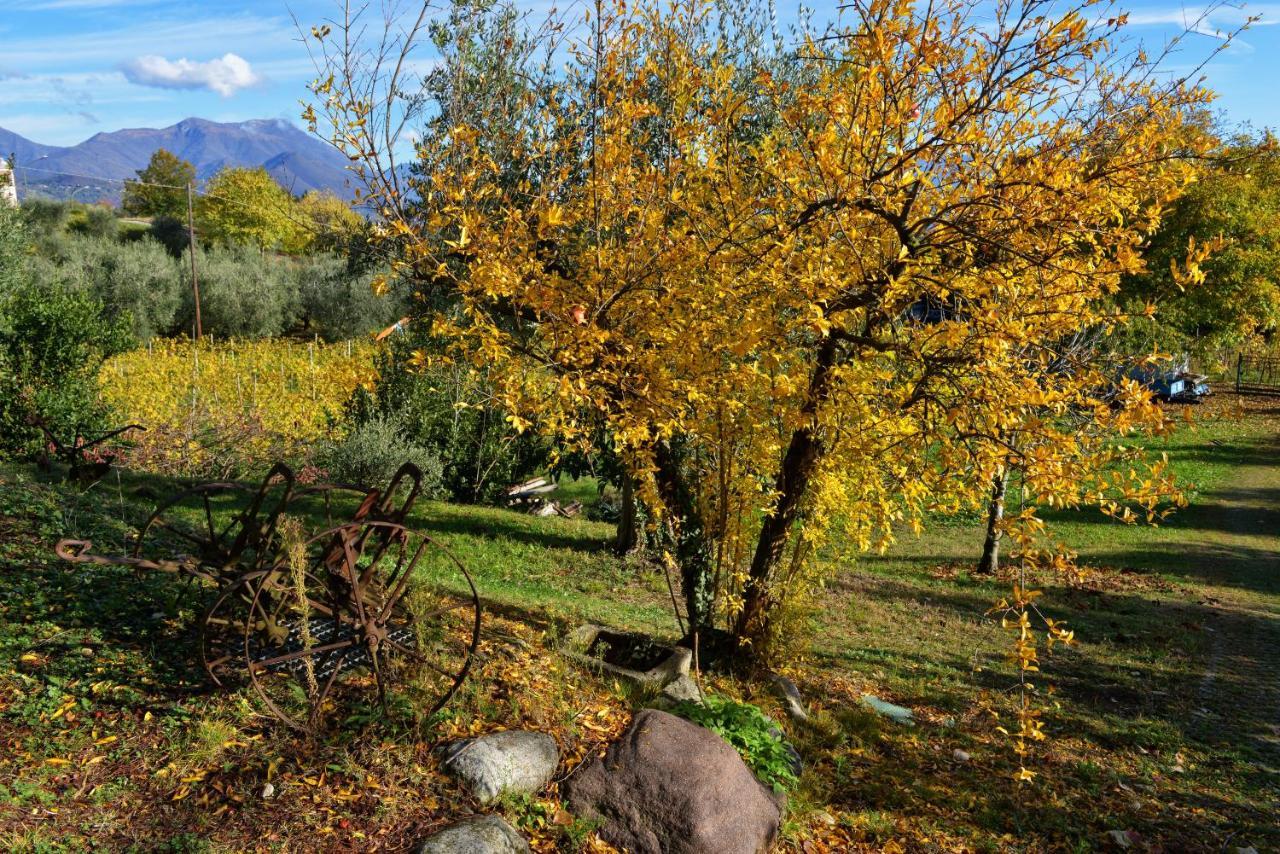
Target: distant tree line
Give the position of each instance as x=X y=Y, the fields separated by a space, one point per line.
x=238 y=207
x=1237 y=199
x=268 y=264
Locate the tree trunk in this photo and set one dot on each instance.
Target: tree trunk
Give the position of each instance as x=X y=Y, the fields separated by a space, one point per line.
x=626 y=539
x=693 y=553
x=791 y=485
x=990 y=562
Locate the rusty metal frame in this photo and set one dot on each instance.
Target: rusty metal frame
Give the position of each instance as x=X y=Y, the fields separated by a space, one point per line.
x=259 y=625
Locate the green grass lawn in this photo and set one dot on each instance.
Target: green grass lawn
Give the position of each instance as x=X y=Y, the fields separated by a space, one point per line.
x=1162 y=719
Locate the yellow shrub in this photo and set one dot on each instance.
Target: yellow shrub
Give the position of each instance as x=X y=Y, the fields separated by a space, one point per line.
x=218 y=408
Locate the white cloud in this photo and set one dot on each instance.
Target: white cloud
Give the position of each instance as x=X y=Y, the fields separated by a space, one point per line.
x=1216 y=21
x=226 y=76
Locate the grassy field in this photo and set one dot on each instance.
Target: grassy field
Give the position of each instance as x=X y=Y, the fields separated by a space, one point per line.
x=1163 y=719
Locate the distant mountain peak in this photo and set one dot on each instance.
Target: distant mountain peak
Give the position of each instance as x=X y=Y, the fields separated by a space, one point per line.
x=97 y=167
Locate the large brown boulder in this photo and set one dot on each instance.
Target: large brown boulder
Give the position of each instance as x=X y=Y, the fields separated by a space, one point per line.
x=669 y=786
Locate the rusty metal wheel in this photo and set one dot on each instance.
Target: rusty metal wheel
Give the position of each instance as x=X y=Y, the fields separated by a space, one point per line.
x=221 y=629
x=220 y=524
x=331 y=503
x=337 y=617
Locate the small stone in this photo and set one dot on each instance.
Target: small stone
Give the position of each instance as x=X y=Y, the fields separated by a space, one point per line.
x=683 y=690
x=268 y=792
x=960 y=755
x=481 y=834
x=512 y=762
x=790 y=696
x=1120 y=838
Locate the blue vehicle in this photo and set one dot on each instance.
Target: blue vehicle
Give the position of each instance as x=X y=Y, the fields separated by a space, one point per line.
x=1173 y=383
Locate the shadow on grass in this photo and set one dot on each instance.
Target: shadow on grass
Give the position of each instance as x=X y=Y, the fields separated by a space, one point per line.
x=1071 y=806
x=1153 y=675
x=139 y=494
x=1136 y=660
x=1229 y=565
x=137 y=626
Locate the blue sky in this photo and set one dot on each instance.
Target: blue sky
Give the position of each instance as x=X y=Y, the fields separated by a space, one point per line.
x=73 y=68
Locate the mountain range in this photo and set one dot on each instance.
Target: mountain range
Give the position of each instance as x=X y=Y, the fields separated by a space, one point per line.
x=95 y=169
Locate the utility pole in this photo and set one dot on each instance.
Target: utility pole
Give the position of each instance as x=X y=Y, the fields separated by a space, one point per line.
x=9 y=188
x=191 y=242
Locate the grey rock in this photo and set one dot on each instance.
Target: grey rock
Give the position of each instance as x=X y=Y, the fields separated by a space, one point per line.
x=663 y=673
x=960 y=755
x=683 y=690
x=480 y=834
x=669 y=786
x=790 y=696
x=512 y=762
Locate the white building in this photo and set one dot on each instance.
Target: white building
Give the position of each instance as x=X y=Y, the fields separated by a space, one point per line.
x=8 y=185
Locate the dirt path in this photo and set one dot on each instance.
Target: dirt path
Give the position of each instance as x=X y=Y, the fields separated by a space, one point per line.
x=1239 y=694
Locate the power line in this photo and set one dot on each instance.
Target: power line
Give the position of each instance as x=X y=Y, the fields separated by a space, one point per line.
x=308 y=225
x=190 y=191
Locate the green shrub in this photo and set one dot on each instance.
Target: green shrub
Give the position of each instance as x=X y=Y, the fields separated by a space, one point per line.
x=751 y=732
x=13 y=251
x=141 y=282
x=42 y=216
x=339 y=303
x=53 y=338
x=243 y=293
x=96 y=221
x=137 y=283
x=170 y=233
x=372 y=452
x=52 y=342
x=449 y=409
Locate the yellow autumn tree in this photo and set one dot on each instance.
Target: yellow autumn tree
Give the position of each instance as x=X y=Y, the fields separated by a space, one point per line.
x=330 y=222
x=789 y=286
x=248 y=207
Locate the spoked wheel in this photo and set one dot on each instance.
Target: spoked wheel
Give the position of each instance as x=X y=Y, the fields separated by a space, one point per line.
x=220 y=523
x=334 y=503
x=202 y=521
x=222 y=629
x=337 y=616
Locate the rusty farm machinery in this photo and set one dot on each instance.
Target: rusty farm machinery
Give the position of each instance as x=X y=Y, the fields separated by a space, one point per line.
x=311 y=619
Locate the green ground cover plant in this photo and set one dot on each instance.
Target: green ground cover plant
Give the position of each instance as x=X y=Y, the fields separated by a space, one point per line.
x=752 y=733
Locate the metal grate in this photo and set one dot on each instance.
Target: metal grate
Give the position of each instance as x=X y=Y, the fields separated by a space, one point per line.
x=323 y=632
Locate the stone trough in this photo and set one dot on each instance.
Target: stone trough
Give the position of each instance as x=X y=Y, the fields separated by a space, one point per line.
x=633 y=658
